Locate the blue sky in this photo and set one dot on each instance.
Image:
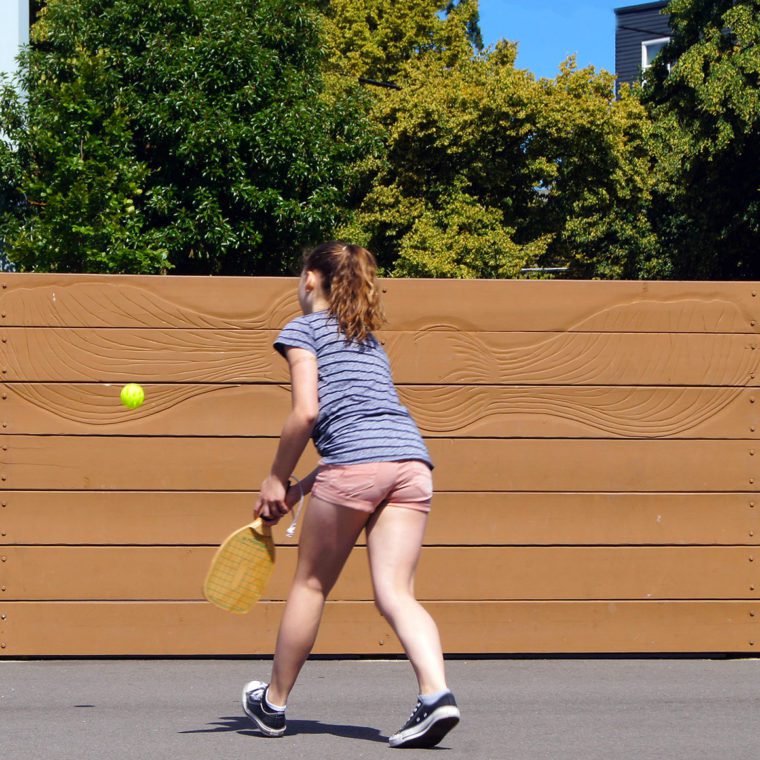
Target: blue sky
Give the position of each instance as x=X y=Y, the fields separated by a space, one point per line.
x=547 y=31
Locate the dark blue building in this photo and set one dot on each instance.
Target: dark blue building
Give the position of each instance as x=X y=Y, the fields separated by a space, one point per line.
x=642 y=31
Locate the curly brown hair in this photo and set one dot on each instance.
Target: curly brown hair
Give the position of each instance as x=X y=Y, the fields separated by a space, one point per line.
x=349 y=278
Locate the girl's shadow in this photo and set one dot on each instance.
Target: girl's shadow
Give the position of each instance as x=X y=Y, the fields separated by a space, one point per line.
x=243 y=726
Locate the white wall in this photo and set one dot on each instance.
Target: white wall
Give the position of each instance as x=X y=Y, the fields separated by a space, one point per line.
x=14 y=31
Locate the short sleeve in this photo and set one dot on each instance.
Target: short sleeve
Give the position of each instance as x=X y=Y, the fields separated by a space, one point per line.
x=296 y=334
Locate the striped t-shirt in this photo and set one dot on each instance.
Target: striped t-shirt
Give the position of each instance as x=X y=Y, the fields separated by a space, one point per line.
x=360 y=416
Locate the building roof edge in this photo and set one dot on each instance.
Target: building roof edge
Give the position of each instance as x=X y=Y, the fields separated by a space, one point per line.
x=640 y=7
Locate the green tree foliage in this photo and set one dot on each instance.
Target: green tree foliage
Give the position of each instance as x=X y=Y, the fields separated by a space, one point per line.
x=594 y=164
x=375 y=38
x=703 y=93
x=220 y=136
x=487 y=170
x=193 y=135
x=455 y=173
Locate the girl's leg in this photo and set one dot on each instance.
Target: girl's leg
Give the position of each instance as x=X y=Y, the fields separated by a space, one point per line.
x=328 y=534
x=394 y=539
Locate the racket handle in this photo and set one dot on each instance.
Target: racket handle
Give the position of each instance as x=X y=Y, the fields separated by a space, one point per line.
x=291 y=531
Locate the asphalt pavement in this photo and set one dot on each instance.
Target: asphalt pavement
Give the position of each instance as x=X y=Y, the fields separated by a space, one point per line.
x=526 y=709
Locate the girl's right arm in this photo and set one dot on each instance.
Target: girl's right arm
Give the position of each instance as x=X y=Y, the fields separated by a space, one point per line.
x=271 y=504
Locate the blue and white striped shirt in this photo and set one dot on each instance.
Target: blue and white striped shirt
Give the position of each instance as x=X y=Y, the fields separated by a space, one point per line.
x=361 y=418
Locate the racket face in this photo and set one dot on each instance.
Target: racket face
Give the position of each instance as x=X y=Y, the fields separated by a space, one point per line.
x=241 y=569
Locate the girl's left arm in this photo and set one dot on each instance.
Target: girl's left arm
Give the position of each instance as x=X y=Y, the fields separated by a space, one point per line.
x=295 y=434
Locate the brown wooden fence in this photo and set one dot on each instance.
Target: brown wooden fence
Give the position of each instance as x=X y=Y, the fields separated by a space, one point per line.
x=596 y=447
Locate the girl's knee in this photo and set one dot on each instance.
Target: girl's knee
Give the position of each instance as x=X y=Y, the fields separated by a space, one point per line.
x=389 y=601
x=312 y=584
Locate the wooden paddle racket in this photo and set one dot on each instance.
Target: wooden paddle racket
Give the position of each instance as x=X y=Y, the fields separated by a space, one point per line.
x=242 y=566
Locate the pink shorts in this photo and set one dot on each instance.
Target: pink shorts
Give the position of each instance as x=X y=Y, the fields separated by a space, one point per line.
x=370 y=485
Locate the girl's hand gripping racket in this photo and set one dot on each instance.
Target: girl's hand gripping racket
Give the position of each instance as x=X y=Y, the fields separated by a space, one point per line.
x=243 y=564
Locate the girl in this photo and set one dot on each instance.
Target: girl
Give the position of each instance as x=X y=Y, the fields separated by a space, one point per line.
x=374 y=475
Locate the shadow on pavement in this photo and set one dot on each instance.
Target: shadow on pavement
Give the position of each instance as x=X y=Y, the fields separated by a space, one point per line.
x=242 y=725
x=336 y=729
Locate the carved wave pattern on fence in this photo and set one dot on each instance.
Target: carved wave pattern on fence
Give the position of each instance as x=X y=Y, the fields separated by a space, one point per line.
x=685 y=314
x=585 y=358
x=110 y=305
x=144 y=355
x=100 y=404
x=192 y=347
x=577 y=357
x=625 y=412
x=222 y=355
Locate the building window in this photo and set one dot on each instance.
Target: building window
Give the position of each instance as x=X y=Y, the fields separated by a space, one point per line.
x=650 y=49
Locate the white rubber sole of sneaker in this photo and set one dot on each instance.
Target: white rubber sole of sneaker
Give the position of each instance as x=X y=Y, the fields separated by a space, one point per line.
x=429 y=731
x=263 y=727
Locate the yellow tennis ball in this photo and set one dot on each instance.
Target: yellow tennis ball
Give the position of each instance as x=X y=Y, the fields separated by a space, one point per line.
x=132 y=395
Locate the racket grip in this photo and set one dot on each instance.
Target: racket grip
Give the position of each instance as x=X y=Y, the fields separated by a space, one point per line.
x=291 y=531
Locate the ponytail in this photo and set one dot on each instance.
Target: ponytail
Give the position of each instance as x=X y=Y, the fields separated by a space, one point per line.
x=349 y=277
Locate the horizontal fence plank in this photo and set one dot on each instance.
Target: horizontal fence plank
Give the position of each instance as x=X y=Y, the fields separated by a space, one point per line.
x=60 y=300
x=440 y=411
x=180 y=464
x=195 y=628
x=583 y=411
x=574 y=358
x=485 y=305
x=426 y=357
x=197 y=518
x=450 y=573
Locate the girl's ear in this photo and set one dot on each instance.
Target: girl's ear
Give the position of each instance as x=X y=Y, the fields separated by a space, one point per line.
x=312 y=282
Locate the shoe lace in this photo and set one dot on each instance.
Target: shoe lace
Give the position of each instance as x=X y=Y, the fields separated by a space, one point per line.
x=416 y=707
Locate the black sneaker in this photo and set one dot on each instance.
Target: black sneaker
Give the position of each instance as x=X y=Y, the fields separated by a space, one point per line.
x=427 y=724
x=269 y=722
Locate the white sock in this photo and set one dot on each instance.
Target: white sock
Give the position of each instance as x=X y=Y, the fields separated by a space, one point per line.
x=274 y=708
x=428 y=699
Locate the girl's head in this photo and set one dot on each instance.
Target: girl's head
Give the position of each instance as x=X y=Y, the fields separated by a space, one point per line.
x=344 y=277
